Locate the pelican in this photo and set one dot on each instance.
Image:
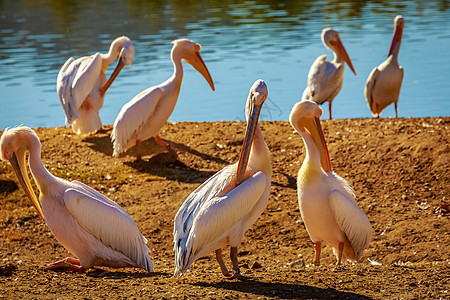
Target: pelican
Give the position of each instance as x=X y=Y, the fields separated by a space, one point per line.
x=384 y=82
x=81 y=84
x=148 y=111
x=219 y=212
x=325 y=78
x=91 y=226
x=327 y=201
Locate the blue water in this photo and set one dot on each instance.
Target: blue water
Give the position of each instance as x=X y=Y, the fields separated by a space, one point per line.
x=242 y=41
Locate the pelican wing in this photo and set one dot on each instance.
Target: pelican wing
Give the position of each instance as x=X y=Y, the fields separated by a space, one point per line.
x=108 y=222
x=352 y=220
x=316 y=76
x=133 y=116
x=211 y=217
x=75 y=81
x=370 y=85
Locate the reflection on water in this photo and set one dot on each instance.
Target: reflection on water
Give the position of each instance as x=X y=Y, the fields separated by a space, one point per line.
x=242 y=41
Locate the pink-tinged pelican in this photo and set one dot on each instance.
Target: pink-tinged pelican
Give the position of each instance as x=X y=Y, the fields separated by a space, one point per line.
x=384 y=82
x=325 y=77
x=219 y=212
x=148 y=111
x=91 y=226
x=81 y=84
x=327 y=201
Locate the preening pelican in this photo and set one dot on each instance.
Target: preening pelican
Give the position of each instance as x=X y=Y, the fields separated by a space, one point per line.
x=325 y=78
x=81 y=84
x=148 y=111
x=91 y=226
x=219 y=212
x=384 y=82
x=327 y=201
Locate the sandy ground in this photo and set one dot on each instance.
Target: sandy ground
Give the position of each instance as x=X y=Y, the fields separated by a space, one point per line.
x=398 y=167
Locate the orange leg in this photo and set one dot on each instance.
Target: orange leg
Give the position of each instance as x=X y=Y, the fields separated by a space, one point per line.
x=223 y=268
x=68 y=263
x=138 y=151
x=318 y=248
x=162 y=143
x=341 y=250
x=329 y=107
x=236 y=272
x=396 y=110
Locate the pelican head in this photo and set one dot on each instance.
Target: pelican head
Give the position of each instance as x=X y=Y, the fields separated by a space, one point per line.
x=399 y=23
x=126 y=54
x=190 y=52
x=332 y=41
x=14 y=145
x=258 y=94
x=304 y=118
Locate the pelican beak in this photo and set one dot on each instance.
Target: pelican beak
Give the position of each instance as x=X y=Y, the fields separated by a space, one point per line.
x=197 y=62
x=343 y=53
x=315 y=130
x=252 y=123
x=397 y=38
x=24 y=180
x=119 y=67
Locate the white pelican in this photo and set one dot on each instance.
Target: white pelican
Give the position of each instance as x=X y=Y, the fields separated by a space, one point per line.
x=384 y=82
x=325 y=78
x=220 y=211
x=91 y=226
x=327 y=201
x=148 y=111
x=81 y=84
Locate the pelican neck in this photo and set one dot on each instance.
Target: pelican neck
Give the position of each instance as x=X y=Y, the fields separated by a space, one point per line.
x=40 y=174
x=259 y=154
x=177 y=64
x=312 y=152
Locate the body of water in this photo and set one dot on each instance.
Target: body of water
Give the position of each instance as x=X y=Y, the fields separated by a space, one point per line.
x=242 y=41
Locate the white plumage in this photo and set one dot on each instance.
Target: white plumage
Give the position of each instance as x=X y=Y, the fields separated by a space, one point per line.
x=325 y=78
x=81 y=84
x=219 y=212
x=147 y=112
x=88 y=224
x=384 y=82
x=327 y=201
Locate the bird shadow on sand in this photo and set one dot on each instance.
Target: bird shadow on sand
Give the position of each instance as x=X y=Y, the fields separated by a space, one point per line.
x=166 y=165
x=281 y=290
x=181 y=147
x=291 y=182
x=101 y=142
x=99 y=273
x=8 y=187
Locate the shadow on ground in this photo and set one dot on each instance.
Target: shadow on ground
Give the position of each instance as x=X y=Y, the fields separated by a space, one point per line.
x=281 y=290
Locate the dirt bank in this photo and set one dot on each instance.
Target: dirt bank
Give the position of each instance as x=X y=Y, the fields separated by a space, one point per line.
x=398 y=167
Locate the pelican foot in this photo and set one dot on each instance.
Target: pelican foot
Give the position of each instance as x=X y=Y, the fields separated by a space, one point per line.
x=68 y=263
x=237 y=275
x=316 y=263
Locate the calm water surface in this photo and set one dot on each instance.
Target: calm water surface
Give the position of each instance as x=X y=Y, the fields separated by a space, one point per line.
x=242 y=41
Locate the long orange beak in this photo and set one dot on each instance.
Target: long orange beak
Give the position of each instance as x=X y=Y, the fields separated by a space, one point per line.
x=198 y=63
x=397 y=38
x=18 y=166
x=113 y=77
x=315 y=130
x=343 y=53
x=248 y=140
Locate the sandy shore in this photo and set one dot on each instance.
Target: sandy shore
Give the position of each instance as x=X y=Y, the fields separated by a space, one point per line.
x=398 y=167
